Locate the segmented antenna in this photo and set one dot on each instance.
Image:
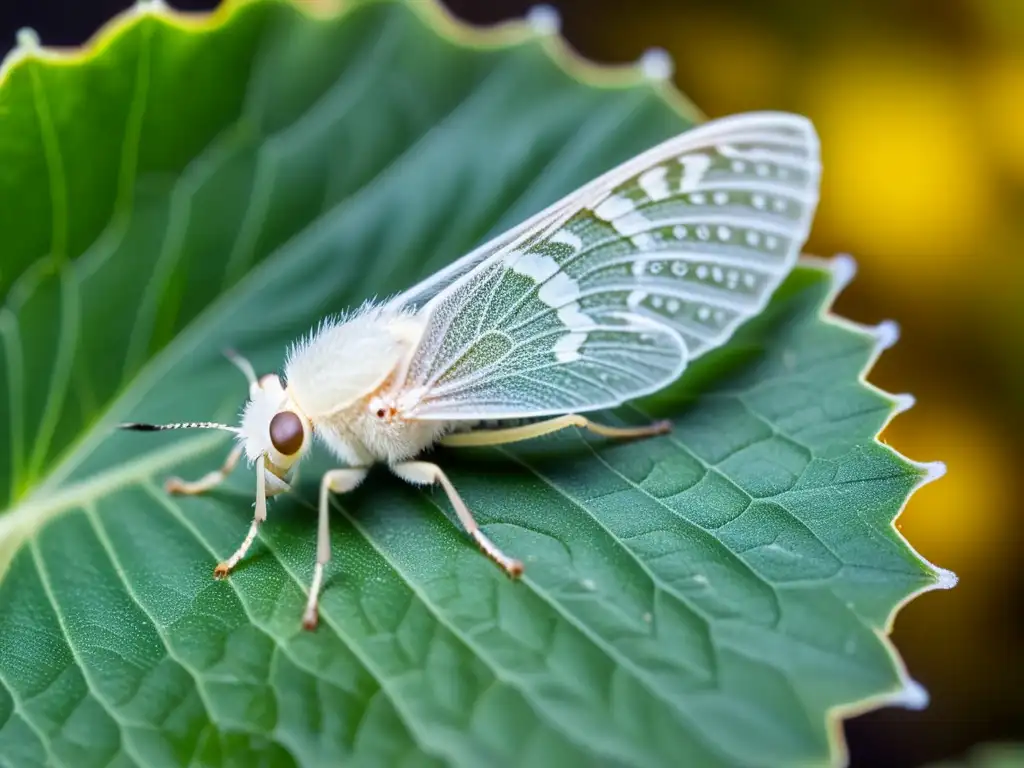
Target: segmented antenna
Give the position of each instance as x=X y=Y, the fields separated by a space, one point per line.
x=138 y=427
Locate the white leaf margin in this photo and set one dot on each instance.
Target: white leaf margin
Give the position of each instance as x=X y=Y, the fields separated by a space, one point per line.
x=910 y=694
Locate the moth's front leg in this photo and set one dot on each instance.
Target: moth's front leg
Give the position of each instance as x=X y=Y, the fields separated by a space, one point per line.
x=425 y=473
x=207 y=482
x=335 y=481
x=259 y=515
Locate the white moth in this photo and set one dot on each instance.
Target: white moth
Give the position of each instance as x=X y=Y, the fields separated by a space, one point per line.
x=601 y=298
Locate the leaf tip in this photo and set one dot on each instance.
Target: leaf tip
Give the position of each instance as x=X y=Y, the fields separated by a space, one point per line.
x=544 y=19
x=933 y=470
x=944 y=578
x=150 y=6
x=886 y=334
x=28 y=40
x=844 y=269
x=903 y=403
x=657 y=64
x=912 y=696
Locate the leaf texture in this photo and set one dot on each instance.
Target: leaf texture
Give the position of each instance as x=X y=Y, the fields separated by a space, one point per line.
x=187 y=184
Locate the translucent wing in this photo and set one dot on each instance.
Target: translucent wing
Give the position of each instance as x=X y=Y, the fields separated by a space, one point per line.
x=607 y=294
x=420 y=294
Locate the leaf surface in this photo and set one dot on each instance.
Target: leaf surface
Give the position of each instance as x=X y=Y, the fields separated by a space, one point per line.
x=190 y=184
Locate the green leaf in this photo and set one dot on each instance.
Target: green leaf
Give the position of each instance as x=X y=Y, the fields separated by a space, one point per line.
x=712 y=597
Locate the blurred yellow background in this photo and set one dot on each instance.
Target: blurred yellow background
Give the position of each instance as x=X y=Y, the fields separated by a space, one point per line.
x=920 y=107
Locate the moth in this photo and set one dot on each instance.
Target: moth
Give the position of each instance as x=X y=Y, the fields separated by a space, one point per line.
x=601 y=298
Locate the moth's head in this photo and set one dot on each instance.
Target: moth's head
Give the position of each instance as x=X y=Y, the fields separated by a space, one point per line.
x=273 y=428
x=274 y=432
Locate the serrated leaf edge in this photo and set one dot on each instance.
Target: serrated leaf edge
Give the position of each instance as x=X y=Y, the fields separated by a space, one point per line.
x=911 y=694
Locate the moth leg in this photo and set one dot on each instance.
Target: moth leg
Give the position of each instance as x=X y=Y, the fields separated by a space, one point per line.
x=335 y=481
x=425 y=473
x=208 y=481
x=528 y=431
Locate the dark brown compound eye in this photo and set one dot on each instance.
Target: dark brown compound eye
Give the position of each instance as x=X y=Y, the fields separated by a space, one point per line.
x=286 y=432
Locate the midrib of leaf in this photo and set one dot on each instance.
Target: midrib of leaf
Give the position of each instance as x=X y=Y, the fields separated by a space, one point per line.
x=27 y=517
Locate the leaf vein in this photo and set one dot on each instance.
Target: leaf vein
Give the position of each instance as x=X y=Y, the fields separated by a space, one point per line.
x=92 y=515
x=383 y=681
x=19 y=710
x=122 y=724
x=693 y=524
x=499 y=674
x=60 y=375
x=54 y=166
x=10 y=332
x=613 y=653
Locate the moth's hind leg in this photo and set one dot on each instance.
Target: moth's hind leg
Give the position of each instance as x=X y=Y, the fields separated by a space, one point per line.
x=484 y=437
x=335 y=481
x=425 y=473
x=208 y=481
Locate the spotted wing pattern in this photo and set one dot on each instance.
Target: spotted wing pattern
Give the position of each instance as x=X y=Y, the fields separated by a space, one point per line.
x=607 y=294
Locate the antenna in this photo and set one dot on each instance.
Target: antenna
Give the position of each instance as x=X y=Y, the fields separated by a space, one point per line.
x=242 y=364
x=138 y=427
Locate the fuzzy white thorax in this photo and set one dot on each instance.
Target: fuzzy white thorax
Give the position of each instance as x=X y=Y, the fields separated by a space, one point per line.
x=346 y=359
x=341 y=375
